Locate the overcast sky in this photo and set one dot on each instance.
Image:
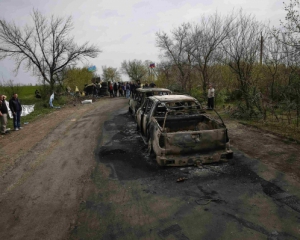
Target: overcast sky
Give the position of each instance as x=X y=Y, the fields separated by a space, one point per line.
x=125 y=30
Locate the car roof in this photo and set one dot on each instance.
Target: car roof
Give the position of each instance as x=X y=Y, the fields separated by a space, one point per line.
x=153 y=90
x=173 y=98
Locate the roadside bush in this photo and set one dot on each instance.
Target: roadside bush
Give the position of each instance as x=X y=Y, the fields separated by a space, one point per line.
x=45 y=92
x=198 y=94
x=241 y=112
x=221 y=97
x=235 y=95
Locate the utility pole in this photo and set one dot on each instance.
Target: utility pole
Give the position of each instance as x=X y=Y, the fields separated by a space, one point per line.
x=261 y=47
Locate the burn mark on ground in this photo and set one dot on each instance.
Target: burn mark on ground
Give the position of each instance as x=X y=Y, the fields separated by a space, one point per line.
x=126 y=154
x=112 y=152
x=244 y=173
x=271 y=235
x=207 y=193
x=174 y=230
x=101 y=208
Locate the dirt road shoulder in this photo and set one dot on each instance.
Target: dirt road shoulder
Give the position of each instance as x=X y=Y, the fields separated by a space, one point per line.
x=45 y=168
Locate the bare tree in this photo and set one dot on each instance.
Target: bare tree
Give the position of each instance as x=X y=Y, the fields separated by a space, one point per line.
x=164 y=72
x=46 y=48
x=273 y=56
x=289 y=34
x=242 y=54
x=291 y=26
x=291 y=91
x=205 y=40
x=135 y=69
x=174 y=49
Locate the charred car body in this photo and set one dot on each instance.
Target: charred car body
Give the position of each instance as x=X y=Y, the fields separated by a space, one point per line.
x=179 y=132
x=141 y=94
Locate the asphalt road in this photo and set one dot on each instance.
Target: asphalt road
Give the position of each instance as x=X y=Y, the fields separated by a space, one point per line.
x=135 y=198
x=86 y=174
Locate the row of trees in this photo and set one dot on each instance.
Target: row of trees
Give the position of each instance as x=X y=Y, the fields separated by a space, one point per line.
x=239 y=55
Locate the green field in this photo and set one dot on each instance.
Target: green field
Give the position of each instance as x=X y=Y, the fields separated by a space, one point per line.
x=27 y=97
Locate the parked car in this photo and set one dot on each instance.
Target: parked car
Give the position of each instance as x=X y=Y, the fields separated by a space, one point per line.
x=141 y=94
x=179 y=132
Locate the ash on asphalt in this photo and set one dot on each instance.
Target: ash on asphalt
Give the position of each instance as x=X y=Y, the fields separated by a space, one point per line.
x=124 y=151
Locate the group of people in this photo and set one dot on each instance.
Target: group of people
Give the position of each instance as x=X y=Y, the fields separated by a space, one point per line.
x=16 y=109
x=126 y=89
x=129 y=89
x=117 y=89
x=123 y=89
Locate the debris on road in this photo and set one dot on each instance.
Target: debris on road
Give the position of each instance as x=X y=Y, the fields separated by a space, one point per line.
x=87 y=101
x=181 y=179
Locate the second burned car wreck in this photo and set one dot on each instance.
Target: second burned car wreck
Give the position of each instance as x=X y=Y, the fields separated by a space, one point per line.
x=179 y=132
x=142 y=94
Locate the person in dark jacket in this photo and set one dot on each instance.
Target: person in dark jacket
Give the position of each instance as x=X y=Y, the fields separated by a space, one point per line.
x=3 y=114
x=16 y=110
x=115 y=89
x=121 y=90
x=111 y=90
x=127 y=90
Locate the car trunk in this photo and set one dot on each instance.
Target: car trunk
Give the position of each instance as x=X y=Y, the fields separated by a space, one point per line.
x=186 y=134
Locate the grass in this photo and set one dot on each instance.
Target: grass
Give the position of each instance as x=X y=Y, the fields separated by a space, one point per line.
x=24 y=92
x=290 y=132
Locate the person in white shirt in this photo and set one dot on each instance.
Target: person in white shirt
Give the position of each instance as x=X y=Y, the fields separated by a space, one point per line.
x=211 y=97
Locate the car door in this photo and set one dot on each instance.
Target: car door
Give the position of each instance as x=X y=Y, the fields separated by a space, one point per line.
x=146 y=116
x=139 y=99
x=132 y=104
x=140 y=115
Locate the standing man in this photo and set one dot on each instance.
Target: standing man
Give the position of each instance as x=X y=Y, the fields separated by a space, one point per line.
x=111 y=90
x=211 y=97
x=120 y=89
x=127 y=90
x=3 y=114
x=16 y=109
x=115 y=87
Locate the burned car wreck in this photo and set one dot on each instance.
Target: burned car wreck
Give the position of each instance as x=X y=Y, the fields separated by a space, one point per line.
x=179 y=132
x=141 y=94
